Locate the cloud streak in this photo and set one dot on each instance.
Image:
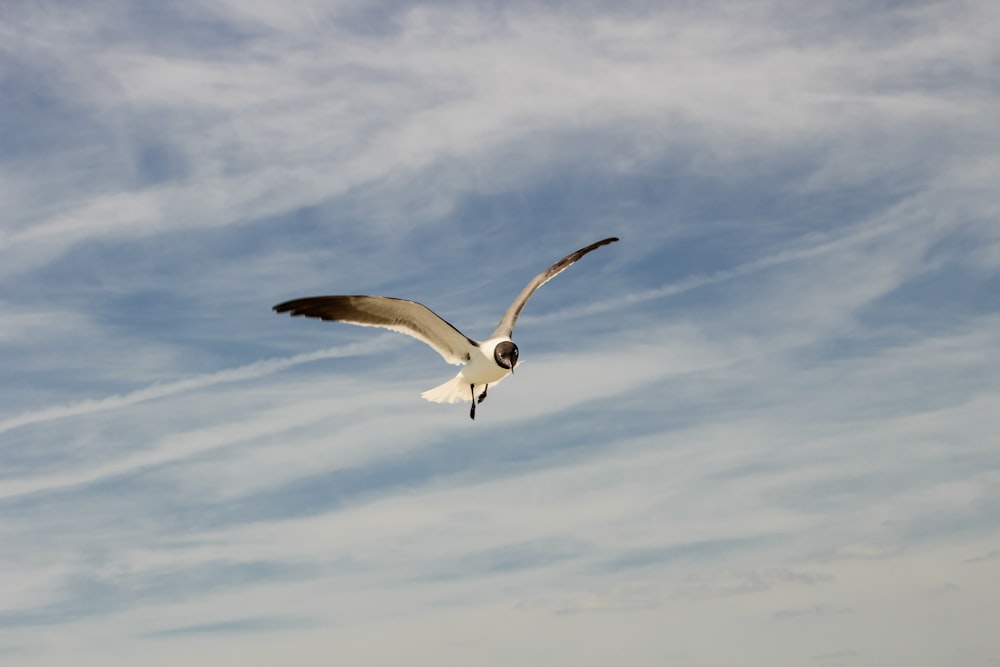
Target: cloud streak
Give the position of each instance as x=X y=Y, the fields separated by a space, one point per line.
x=251 y=371
x=768 y=416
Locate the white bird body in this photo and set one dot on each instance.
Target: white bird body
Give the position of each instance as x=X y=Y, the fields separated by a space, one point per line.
x=480 y=371
x=483 y=363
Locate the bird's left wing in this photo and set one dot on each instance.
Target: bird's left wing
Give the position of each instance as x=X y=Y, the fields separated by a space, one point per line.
x=406 y=317
x=506 y=326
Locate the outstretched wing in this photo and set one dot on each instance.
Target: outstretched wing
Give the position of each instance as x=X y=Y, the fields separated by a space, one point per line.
x=506 y=326
x=407 y=317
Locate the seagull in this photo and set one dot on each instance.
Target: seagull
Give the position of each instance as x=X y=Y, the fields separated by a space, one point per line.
x=483 y=362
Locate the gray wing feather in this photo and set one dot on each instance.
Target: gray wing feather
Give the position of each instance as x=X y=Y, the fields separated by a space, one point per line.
x=400 y=315
x=506 y=326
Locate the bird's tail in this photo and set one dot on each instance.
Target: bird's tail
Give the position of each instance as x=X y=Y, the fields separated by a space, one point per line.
x=454 y=390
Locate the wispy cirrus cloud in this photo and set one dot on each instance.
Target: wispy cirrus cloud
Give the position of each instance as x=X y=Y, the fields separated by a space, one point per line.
x=773 y=402
x=250 y=371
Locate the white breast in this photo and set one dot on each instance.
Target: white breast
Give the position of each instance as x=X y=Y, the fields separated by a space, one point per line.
x=482 y=368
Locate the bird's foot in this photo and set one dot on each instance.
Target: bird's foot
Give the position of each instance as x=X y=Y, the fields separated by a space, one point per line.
x=482 y=396
x=472 y=410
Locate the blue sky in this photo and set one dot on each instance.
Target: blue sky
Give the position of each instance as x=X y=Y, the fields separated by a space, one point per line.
x=760 y=430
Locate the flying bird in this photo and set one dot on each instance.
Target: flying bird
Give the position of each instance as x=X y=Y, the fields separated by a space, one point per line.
x=483 y=362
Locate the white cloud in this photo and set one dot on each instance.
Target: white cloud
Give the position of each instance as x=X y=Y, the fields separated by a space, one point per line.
x=250 y=371
x=767 y=416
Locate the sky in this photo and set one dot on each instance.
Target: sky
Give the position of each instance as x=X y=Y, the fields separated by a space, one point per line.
x=759 y=430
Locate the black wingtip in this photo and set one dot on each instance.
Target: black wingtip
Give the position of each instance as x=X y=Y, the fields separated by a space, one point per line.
x=307 y=306
x=610 y=239
x=593 y=246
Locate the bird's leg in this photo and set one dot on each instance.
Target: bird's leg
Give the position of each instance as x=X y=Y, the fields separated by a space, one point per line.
x=482 y=396
x=472 y=412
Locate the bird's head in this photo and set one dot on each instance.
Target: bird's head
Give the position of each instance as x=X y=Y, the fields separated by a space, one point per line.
x=505 y=355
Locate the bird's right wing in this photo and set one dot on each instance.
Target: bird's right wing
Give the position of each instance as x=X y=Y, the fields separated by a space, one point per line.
x=406 y=317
